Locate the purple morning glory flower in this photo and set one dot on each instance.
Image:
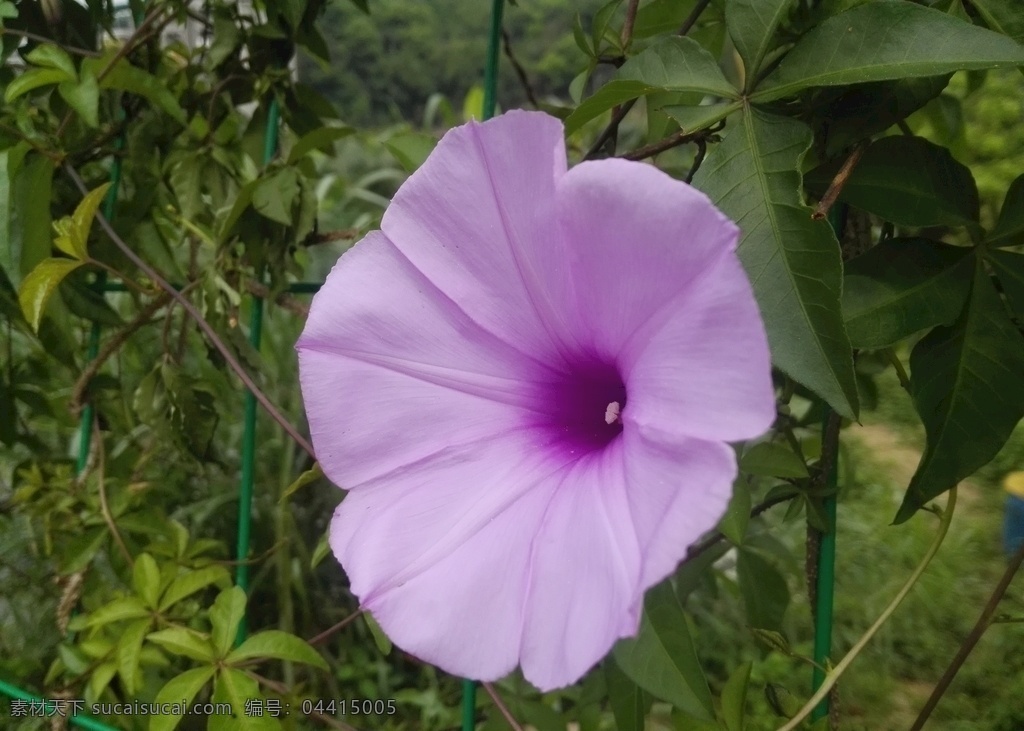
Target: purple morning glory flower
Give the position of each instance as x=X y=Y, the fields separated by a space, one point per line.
x=526 y=380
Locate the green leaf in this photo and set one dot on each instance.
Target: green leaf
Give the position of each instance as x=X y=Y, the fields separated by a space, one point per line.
x=275 y=195
x=380 y=639
x=33 y=79
x=73 y=231
x=179 y=689
x=662 y=659
x=734 y=697
x=129 y=648
x=1009 y=229
x=319 y=139
x=850 y=114
x=125 y=77
x=661 y=16
x=628 y=701
x=189 y=583
x=39 y=286
x=225 y=615
x=909 y=181
x=886 y=39
x=903 y=286
x=737 y=515
x=672 y=64
x=1009 y=268
x=1002 y=16
x=752 y=25
x=146 y=579
x=473 y=104
x=410 y=148
x=793 y=262
x=695 y=118
x=235 y=687
x=185 y=642
x=30 y=195
x=320 y=551
x=967 y=388
x=84 y=97
x=278 y=645
x=768 y=459
x=118 y=610
x=242 y=201
x=52 y=57
x=309 y=476
x=100 y=679
x=764 y=590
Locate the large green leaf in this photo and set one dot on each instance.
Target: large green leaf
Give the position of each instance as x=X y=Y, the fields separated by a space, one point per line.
x=850 y=114
x=52 y=57
x=279 y=645
x=83 y=95
x=319 y=139
x=752 y=25
x=1003 y=16
x=192 y=581
x=793 y=261
x=33 y=79
x=909 y=181
x=764 y=590
x=125 y=77
x=967 y=382
x=1009 y=268
x=662 y=659
x=180 y=689
x=31 y=194
x=185 y=642
x=146 y=579
x=225 y=615
x=903 y=286
x=672 y=64
x=39 y=286
x=628 y=701
x=235 y=687
x=1009 y=229
x=887 y=39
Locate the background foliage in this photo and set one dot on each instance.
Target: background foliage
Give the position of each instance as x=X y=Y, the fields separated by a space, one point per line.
x=116 y=568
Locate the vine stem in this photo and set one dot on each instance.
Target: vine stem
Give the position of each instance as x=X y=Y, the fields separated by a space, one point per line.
x=207 y=329
x=983 y=623
x=502 y=707
x=844 y=664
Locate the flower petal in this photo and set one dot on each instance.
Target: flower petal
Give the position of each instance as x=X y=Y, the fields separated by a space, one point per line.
x=585 y=573
x=677 y=491
x=636 y=239
x=701 y=368
x=392 y=371
x=439 y=553
x=477 y=220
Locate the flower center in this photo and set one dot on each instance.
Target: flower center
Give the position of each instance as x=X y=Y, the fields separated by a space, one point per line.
x=584 y=407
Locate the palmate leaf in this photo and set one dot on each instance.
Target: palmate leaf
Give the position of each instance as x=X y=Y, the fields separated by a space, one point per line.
x=967 y=383
x=1009 y=268
x=793 y=262
x=903 y=286
x=628 y=701
x=1009 y=229
x=886 y=39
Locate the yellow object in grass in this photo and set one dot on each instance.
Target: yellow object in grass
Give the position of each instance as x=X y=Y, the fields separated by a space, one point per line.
x=1013 y=483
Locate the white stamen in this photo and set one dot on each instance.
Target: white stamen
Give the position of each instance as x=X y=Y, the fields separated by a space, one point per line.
x=611 y=414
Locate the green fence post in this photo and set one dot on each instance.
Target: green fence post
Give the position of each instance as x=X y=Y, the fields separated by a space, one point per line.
x=249 y=427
